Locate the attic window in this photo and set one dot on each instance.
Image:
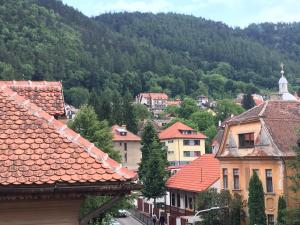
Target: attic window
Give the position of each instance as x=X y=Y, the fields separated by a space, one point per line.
x=246 y=140
x=187 y=131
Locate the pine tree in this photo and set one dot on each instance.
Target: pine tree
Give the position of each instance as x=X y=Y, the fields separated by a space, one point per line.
x=149 y=135
x=116 y=111
x=256 y=202
x=156 y=174
x=281 y=211
x=128 y=114
x=248 y=101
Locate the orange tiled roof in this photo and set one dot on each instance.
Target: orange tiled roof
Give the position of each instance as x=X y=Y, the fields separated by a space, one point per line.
x=38 y=149
x=174 y=132
x=153 y=95
x=129 y=137
x=197 y=176
x=47 y=95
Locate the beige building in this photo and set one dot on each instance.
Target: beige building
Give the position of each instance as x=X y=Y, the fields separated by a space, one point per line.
x=183 y=143
x=129 y=146
x=261 y=140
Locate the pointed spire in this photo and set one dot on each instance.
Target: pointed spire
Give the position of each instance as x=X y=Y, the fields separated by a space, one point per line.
x=282 y=69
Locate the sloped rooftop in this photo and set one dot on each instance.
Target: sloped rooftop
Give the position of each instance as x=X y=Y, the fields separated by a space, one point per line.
x=197 y=176
x=45 y=94
x=38 y=149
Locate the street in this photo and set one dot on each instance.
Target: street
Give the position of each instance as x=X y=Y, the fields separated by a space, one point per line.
x=128 y=221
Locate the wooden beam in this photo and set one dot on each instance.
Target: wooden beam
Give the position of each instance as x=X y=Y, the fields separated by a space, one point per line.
x=101 y=210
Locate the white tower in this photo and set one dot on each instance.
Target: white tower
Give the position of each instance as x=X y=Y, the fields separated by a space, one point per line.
x=283 y=83
x=283 y=88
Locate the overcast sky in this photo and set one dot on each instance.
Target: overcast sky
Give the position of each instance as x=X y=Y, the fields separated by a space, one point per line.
x=232 y=12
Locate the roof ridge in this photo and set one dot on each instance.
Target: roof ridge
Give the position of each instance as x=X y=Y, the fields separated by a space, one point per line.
x=66 y=132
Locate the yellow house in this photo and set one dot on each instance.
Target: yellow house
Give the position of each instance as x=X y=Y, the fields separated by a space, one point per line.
x=183 y=143
x=261 y=140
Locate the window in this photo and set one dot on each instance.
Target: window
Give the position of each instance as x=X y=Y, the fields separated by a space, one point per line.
x=191 y=153
x=178 y=200
x=270 y=219
x=186 y=142
x=236 y=179
x=197 y=153
x=190 y=203
x=196 y=142
x=170 y=152
x=187 y=154
x=186 y=201
x=191 y=142
x=170 y=141
x=246 y=140
x=269 y=181
x=225 y=179
x=173 y=199
x=125 y=146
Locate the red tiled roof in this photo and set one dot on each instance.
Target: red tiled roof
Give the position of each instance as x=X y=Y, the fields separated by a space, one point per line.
x=129 y=136
x=258 y=101
x=174 y=103
x=47 y=95
x=174 y=132
x=154 y=95
x=197 y=176
x=37 y=149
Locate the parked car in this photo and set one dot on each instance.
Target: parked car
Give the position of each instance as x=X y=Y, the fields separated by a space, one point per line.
x=121 y=213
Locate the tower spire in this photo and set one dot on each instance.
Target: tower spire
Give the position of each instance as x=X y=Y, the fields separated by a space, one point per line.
x=282 y=69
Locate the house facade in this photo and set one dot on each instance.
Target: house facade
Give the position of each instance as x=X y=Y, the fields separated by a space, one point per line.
x=46 y=169
x=184 y=186
x=129 y=146
x=155 y=102
x=183 y=143
x=260 y=140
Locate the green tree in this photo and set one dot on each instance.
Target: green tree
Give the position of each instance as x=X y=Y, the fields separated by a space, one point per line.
x=149 y=136
x=281 y=211
x=225 y=108
x=292 y=214
x=141 y=112
x=187 y=108
x=156 y=174
x=203 y=119
x=248 y=101
x=77 y=96
x=98 y=132
x=256 y=202
x=129 y=117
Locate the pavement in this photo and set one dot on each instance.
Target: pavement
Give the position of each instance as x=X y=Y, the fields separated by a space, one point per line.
x=129 y=220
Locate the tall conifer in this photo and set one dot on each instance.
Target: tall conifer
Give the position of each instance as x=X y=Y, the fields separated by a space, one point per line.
x=256 y=202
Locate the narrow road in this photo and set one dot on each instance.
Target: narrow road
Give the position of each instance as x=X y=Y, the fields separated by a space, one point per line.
x=128 y=221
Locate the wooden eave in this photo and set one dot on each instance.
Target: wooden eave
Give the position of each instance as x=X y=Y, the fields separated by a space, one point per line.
x=65 y=190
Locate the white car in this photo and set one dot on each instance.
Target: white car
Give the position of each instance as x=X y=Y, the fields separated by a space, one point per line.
x=114 y=222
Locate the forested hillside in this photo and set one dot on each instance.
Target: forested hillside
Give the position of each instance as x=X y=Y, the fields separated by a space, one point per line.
x=181 y=55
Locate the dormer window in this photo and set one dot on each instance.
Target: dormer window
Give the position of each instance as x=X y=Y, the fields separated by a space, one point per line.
x=187 y=131
x=246 y=140
x=122 y=131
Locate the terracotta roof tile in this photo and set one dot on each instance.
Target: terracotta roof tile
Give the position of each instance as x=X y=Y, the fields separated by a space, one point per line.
x=47 y=95
x=153 y=95
x=197 y=176
x=128 y=137
x=174 y=132
x=37 y=149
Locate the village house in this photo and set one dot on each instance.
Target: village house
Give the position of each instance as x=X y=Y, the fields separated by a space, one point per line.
x=129 y=146
x=155 y=102
x=183 y=143
x=261 y=140
x=46 y=169
x=184 y=186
